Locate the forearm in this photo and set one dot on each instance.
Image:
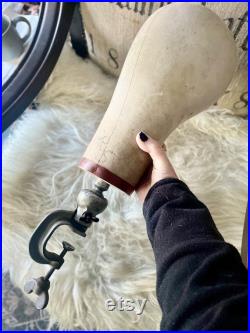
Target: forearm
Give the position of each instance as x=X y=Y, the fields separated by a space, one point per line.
x=198 y=274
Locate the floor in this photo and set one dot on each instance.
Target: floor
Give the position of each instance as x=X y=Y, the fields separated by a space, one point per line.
x=18 y=313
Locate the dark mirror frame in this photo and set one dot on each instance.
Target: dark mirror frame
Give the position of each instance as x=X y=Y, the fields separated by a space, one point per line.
x=24 y=84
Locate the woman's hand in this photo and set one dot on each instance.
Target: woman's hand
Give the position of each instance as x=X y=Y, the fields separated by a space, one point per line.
x=161 y=167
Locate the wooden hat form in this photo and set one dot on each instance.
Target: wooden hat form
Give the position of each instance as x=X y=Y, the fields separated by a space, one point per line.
x=180 y=62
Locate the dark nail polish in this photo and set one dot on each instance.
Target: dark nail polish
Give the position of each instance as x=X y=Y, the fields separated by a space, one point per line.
x=143 y=136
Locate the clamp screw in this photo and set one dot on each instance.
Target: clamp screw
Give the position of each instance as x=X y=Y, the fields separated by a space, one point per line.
x=40 y=286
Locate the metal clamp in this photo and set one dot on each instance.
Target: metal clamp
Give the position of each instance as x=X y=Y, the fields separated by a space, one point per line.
x=90 y=204
x=41 y=285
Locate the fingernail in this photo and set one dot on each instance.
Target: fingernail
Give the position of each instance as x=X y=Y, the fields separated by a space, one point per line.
x=143 y=136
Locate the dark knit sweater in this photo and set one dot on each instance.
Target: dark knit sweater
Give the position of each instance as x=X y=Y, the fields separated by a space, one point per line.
x=201 y=281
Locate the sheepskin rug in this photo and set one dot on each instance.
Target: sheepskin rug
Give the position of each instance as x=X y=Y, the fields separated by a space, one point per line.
x=41 y=174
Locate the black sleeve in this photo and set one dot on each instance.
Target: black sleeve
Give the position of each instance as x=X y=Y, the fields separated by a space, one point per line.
x=201 y=281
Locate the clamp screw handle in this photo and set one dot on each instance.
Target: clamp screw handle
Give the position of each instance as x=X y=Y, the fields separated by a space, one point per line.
x=40 y=286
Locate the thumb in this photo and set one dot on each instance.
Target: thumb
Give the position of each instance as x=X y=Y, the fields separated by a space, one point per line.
x=155 y=149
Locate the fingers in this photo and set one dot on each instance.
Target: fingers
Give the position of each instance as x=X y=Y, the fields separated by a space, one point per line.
x=153 y=148
x=161 y=165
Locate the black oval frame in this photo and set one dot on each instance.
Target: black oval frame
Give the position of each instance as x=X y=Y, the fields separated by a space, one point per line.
x=37 y=64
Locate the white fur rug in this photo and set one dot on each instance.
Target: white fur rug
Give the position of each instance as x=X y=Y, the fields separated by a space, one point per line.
x=40 y=174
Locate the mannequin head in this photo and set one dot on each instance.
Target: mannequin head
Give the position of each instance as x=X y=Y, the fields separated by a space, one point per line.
x=180 y=63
